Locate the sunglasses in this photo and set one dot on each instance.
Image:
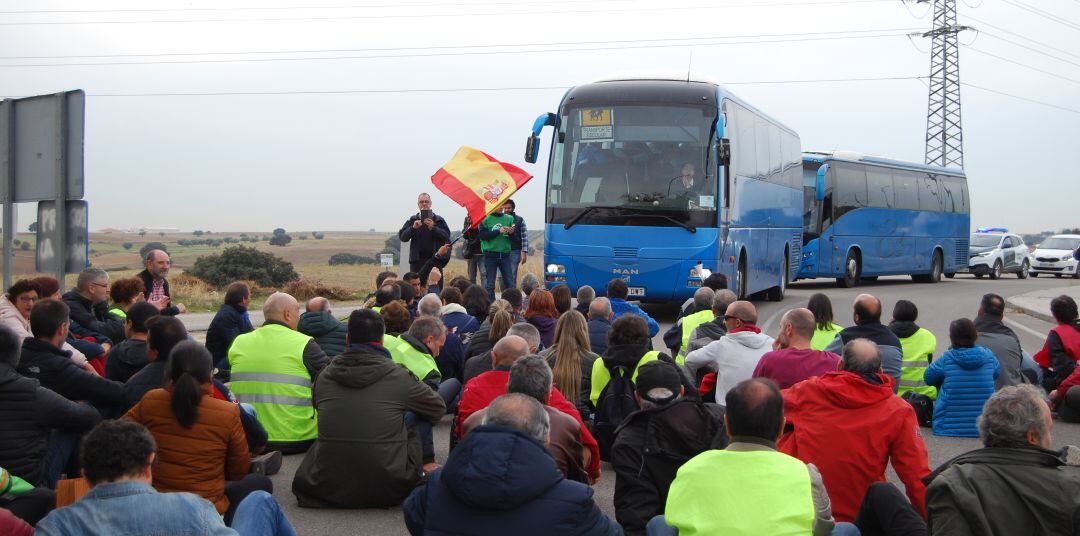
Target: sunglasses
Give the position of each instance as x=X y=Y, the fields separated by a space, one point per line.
x=729 y=317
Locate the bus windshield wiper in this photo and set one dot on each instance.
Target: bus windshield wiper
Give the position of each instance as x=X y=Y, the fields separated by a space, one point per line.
x=686 y=226
x=577 y=217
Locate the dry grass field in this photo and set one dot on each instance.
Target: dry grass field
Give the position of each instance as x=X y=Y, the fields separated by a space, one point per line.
x=308 y=256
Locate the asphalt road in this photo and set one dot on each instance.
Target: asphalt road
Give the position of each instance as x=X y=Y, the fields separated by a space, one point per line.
x=938 y=305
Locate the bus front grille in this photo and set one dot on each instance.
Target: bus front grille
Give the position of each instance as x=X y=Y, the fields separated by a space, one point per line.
x=962 y=251
x=625 y=253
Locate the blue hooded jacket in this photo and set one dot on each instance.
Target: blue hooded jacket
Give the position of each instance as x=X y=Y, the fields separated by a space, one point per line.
x=500 y=481
x=965 y=380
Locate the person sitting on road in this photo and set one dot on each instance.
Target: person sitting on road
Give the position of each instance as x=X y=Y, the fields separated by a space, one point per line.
x=408 y=296
x=451 y=358
x=749 y=487
x=516 y=299
x=964 y=375
x=387 y=293
x=734 y=356
x=481 y=390
x=572 y=361
x=541 y=313
x=825 y=331
x=273 y=369
x=89 y=304
x=499 y=322
x=163 y=333
x=229 y=322
x=202 y=447
x=585 y=296
x=25 y=502
x=383 y=278
x=454 y=315
x=531 y=376
x=851 y=426
x=1061 y=350
x=793 y=360
x=39 y=429
x=15 y=307
x=614 y=374
x=1016 y=484
x=563 y=300
x=43 y=360
x=502 y=480
x=529 y=283
x=867 y=316
x=125 y=293
x=918 y=346
x=600 y=318
x=653 y=442
x=476 y=302
x=365 y=456
x=617 y=293
x=129 y=357
x=93 y=345
x=677 y=339
x=118 y=461
x=714 y=329
x=715 y=282
x=318 y=322
x=1000 y=340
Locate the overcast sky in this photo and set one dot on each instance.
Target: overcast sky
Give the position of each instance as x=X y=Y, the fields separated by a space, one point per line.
x=305 y=160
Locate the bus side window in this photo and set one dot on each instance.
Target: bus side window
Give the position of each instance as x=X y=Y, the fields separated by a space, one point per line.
x=762 y=140
x=929 y=195
x=850 y=188
x=879 y=188
x=745 y=144
x=907 y=193
x=953 y=192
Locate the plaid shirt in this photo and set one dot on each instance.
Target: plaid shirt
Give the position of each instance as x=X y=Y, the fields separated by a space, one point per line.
x=157 y=290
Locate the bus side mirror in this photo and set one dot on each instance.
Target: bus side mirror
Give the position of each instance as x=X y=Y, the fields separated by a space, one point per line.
x=819 y=183
x=723 y=151
x=532 y=146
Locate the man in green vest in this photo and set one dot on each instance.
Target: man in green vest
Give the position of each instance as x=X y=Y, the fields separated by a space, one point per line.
x=749 y=487
x=917 y=346
x=274 y=369
x=495 y=231
x=678 y=337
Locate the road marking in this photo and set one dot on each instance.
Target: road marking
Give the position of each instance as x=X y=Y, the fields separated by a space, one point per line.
x=768 y=322
x=1026 y=329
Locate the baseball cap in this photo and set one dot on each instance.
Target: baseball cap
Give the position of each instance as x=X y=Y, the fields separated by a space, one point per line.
x=658 y=374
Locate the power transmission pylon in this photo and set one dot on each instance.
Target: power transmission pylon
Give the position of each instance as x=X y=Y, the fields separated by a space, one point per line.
x=944 y=135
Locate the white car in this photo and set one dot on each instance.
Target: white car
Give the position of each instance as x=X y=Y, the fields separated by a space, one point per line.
x=994 y=254
x=1055 y=256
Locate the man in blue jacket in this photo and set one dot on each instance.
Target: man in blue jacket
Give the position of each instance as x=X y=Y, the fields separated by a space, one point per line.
x=230 y=322
x=617 y=292
x=501 y=480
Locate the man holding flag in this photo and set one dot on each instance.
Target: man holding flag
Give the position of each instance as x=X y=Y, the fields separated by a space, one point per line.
x=481 y=184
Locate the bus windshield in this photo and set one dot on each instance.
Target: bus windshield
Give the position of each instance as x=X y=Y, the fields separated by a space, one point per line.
x=635 y=165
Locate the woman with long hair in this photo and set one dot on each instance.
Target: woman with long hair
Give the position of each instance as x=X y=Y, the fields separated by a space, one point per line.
x=500 y=316
x=202 y=448
x=563 y=299
x=541 y=313
x=476 y=302
x=825 y=331
x=572 y=360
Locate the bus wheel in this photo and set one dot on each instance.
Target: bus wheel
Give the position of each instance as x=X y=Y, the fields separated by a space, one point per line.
x=777 y=293
x=851 y=271
x=935 y=268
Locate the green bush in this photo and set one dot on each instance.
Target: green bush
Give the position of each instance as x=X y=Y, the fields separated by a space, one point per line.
x=25 y=246
x=280 y=240
x=128 y=245
x=242 y=263
x=350 y=258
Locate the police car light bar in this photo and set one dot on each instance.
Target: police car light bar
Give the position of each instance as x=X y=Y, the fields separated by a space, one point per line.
x=992 y=230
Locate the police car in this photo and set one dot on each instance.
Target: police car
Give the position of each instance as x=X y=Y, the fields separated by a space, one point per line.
x=1055 y=256
x=994 y=251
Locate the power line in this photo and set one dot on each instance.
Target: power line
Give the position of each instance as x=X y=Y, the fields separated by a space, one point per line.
x=1026 y=99
x=288 y=8
x=459 y=90
x=1044 y=14
x=1033 y=49
x=471 y=53
x=1026 y=66
x=1024 y=37
x=449 y=15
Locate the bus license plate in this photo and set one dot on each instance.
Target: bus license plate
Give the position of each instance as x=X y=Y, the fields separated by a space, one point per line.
x=637 y=291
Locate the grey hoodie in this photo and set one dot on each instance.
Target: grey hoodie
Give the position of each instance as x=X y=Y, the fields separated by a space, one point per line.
x=733 y=356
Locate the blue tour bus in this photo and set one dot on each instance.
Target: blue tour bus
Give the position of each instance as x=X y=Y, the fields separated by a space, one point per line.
x=663 y=181
x=868 y=216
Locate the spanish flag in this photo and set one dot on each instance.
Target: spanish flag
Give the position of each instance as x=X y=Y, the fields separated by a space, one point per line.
x=478 y=182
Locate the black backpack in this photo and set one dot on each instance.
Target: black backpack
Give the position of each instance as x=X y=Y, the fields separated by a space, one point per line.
x=615 y=403
x=923 y=406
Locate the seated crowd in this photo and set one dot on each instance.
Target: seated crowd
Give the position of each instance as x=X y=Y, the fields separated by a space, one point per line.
x=727 y=430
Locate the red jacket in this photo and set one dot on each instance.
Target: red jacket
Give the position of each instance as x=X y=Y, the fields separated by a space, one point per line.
x=850 y=429
x=483 y=389
x=1070 y=340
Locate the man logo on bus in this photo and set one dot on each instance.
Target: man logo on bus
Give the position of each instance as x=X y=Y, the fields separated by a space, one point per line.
x=624 y=271
x=596 y=115
x=491 y=192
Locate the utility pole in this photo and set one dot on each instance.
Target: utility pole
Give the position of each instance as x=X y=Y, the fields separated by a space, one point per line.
x=944 y=135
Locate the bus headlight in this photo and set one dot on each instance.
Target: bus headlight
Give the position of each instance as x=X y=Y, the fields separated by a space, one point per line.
x=705 y=273
x=556 y=269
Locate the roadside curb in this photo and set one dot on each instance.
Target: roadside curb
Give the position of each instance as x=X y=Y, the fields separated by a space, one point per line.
x=1027 y=311
x=1036 y=304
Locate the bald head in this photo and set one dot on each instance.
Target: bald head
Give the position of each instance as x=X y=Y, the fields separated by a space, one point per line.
x=802 y=325
x=281 y=307
x=862 y=356
x=867 y=309
x=743 y=310
x=508 y=350
x=318 y=304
